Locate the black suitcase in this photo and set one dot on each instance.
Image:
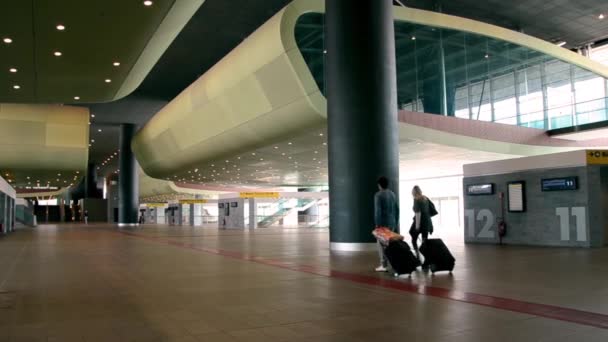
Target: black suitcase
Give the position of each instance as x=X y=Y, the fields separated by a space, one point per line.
x=437 y=256
x=400 y=257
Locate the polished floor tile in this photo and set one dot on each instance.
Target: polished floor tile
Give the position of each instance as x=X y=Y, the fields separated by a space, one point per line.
x=159 y=283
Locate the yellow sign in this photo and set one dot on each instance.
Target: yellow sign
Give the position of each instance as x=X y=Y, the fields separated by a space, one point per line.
x=259 y=195
x=155 y=205
x=597 y=157
x=193 y=201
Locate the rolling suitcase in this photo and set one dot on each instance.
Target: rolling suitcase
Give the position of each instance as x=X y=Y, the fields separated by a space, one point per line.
x=400 y=257
x=437 y=256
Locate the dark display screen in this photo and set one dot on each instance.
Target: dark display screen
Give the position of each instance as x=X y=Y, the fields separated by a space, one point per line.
x=480 y=189
x=559 y=184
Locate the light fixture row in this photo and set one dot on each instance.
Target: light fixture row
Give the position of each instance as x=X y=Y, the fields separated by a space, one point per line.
x=62 y=27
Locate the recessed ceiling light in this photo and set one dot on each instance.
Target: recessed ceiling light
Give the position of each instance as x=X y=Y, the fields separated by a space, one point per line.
x=148 y=3
x=76 y=98
x=487 y=56
x=60 y=27
x=116 y=64
x=13 y=70
x=601 y=16
x=108 y=80
x=7 y=40
x=92 y=115
x=413 y=37
x=57 y=53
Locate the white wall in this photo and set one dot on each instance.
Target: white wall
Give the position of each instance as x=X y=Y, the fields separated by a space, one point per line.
x=7 y=189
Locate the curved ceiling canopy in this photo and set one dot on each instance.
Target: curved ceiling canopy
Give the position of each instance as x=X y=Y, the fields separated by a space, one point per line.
x=43 y=146
x=262 y=99
x=153 y=190
x=63 y=52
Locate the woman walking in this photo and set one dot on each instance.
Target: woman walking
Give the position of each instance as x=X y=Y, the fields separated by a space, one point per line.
x=423 y=224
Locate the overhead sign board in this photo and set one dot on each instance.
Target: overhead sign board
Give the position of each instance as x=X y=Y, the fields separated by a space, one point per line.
x=597 y=157
x=480 y=189
x=259 y=195
x=155 y=205
x=193 y=201
x=559 y=184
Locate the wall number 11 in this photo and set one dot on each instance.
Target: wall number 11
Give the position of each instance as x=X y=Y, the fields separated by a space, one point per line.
x=580 y=213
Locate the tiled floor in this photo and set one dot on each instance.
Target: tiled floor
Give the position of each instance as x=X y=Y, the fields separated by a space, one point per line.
x=94 y=283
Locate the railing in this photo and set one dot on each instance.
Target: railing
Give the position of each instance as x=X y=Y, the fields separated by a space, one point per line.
x=568 y=115
x=299 y=221
x=278 y=221
x=198 y=220
x=313 y=221
x=305 y=203
x=269 y=220
x=204 y=219
x=25 y=215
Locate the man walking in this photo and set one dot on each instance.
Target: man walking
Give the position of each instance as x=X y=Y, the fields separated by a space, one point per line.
x=386 y=214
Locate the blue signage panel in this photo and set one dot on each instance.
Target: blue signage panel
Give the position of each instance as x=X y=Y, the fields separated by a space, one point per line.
x=559 y=184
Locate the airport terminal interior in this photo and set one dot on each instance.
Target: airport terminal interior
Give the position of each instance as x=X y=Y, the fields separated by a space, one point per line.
x=303 y=170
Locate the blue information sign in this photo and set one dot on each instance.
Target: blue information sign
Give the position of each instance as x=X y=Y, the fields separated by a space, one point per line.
x=559 y=184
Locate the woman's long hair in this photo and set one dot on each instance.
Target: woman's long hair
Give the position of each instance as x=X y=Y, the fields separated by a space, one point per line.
x=417 y=193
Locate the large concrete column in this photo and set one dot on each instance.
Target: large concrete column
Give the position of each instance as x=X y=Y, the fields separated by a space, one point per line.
x=128 y=179
x=253 y=213
x=192 y=214
x=362 y=115
x=180 y=215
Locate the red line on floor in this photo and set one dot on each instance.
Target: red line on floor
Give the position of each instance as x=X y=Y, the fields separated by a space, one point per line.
x=541 y=310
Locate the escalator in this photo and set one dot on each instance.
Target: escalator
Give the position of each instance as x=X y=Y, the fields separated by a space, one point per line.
x=284 y=209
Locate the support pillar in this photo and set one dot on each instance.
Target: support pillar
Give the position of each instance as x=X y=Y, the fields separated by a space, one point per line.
x=180 y=214
x=442 y=75
x=61 y=209
x=362 y=115
x=192 y=214
x=253 y=213
x=128 y=179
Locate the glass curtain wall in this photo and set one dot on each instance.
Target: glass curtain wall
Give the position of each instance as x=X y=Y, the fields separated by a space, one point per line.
x=448 y=72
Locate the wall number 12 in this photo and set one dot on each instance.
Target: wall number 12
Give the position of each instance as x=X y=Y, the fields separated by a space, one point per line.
x=485 y=216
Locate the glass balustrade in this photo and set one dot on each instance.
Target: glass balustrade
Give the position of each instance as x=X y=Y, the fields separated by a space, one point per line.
x=467 y=75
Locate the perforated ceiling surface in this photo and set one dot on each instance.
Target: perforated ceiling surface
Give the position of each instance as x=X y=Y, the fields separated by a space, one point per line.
x=575 y=22
x=216 y=28
x=63 y=52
